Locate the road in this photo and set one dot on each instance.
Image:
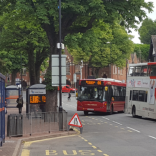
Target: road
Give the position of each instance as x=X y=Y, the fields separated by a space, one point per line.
x=110 y=135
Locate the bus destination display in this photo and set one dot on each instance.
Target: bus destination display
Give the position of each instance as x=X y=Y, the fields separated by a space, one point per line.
x=37 y=99
x=93 y=82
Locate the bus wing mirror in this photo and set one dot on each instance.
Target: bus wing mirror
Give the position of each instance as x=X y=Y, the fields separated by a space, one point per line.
x=106 y=88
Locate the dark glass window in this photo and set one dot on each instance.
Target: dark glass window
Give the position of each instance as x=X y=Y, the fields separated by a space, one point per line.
x=141 y=95
x=130 y=97
x=144 y=71
x=135 y=95
x=152 y=70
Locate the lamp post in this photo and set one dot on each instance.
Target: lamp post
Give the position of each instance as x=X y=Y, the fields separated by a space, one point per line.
x=81 y=68
x=60 y=73
x=110 y=58
x=21 y=73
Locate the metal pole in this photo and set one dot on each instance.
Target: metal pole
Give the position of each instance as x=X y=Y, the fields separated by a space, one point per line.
x=21 y=73
x=110 y=59
x=60 y=82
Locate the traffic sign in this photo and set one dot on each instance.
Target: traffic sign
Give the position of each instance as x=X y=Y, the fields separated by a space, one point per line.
x=75 y=121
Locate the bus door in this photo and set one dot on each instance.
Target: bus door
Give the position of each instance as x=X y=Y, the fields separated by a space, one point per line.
x=130 y=100
x=108 y=97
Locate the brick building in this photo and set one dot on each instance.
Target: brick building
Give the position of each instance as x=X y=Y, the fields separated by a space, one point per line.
x=107 y=72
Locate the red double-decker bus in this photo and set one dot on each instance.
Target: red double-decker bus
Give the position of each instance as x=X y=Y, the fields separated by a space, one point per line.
x=101 y=95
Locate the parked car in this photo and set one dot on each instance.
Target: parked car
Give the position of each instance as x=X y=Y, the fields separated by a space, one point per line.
x=67 y=88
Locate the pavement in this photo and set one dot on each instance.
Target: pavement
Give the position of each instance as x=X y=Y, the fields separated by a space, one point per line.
x=12 y=145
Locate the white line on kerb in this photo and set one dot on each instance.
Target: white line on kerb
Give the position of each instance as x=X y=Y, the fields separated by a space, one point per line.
x=133 y=129
x=106 y=118
x=117 y=123
x=152 y=137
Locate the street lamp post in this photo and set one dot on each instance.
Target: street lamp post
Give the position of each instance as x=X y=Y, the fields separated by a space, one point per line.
x=81 y=68
x=21 y=73
x=60 y=73
x=110 y=58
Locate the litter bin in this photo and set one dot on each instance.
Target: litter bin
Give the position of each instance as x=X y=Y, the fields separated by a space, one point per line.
x=15 y=125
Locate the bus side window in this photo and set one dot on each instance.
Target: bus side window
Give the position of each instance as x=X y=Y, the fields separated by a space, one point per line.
x=152 y=71
x=135 y=95
x=130 y=97
x=146 y=93
x=144 y=71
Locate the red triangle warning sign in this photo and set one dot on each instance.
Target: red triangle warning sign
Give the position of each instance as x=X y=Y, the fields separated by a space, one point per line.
x=75 y=121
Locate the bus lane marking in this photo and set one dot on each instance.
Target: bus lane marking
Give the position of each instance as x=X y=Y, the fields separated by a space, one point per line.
x=25 y=152
x=117 y=123
x=106 y=118
x=133 y=129
x=94 y=147
x=152 y=137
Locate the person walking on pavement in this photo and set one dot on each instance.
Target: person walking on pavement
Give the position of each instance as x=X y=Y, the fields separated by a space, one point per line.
x=69 y=95
x=20 y=103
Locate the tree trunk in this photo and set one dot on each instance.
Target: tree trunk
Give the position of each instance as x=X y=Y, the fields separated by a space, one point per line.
x=97 y=72
x=37 y=69
x=13 y=76
x=32 y=71
x=51 y=101
x=51 y=94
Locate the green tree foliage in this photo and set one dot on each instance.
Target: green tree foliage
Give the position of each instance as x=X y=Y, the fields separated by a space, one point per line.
x=93 y=47
x=147 y=29
x=26 y=37
x=3 y=67
x=77 y=16
x=142 y=50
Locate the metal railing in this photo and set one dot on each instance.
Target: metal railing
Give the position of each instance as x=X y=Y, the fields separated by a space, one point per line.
x=35 y=123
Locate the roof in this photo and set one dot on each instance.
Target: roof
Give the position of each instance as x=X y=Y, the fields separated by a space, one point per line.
x=38 y=86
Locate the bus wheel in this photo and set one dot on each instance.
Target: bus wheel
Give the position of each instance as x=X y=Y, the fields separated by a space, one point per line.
x=85 y=113
x=133 y=112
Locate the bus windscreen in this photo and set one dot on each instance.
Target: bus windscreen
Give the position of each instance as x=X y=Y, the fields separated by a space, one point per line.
x=91 y=93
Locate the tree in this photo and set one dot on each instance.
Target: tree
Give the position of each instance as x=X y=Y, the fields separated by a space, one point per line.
x=147 y=29
x=3 y=67
x=26 y=37
x=142 y=50
x=92 y=46
x=77 y=16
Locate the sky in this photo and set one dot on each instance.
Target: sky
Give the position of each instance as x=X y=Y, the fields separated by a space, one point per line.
x=150 y=15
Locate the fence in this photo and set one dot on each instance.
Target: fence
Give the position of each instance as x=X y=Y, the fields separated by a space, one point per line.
x=35 y=123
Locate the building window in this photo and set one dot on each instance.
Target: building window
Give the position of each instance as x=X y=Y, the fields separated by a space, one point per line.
x=24 y=70
x=118 y=70
x=114 y=69
x=67 y=68
x=77 y=68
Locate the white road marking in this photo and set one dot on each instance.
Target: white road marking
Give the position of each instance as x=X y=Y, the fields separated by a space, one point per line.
x=152 y=137
x=106 y=118
x=133 y=129
x=117 y=123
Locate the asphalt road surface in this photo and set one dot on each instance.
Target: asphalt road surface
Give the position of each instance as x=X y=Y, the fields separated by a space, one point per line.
x=110 y=135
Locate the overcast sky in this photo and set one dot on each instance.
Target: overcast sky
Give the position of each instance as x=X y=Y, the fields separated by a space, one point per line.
x=150 y=15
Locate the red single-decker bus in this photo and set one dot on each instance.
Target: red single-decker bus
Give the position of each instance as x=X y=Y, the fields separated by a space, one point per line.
x=101 y=95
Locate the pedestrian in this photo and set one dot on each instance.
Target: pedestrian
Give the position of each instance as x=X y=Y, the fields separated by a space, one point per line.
x=69 y=95
x=20 y=103
x=5 y=107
